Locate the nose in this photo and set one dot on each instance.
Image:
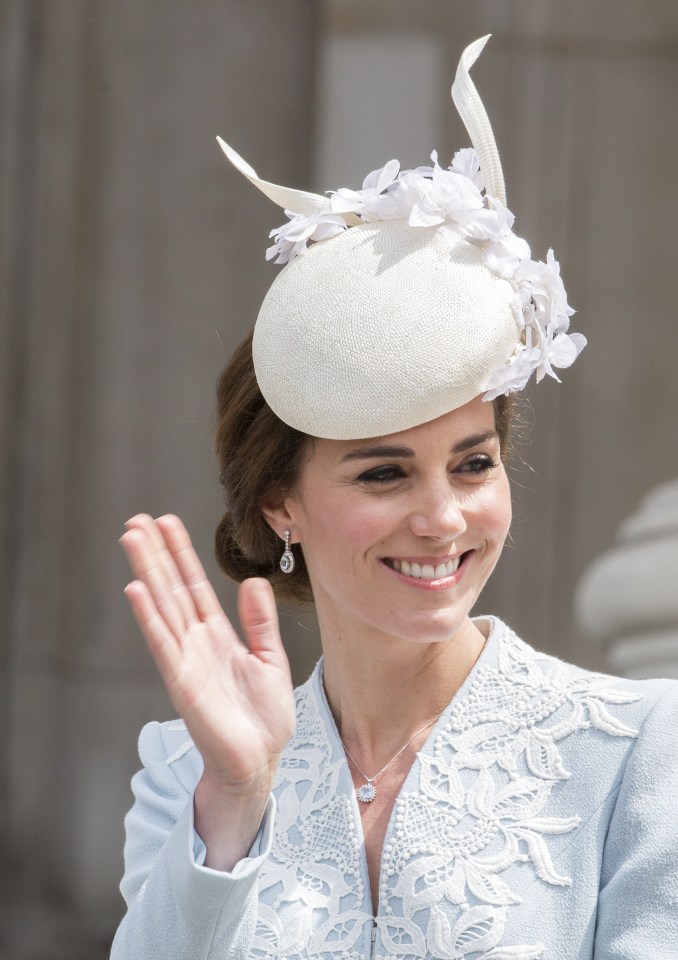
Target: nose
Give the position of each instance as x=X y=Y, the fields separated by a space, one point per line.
x=437 y=512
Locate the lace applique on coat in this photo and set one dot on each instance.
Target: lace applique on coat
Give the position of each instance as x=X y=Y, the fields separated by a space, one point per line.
x=474 y=805
x=311 y=888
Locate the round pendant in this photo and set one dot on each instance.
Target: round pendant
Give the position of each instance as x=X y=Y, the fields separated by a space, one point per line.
x=287 y=561
x=366 y=793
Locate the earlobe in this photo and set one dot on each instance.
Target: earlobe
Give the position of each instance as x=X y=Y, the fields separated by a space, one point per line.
x=279 y=519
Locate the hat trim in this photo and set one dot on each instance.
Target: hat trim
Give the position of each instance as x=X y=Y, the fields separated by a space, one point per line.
x=466 y=200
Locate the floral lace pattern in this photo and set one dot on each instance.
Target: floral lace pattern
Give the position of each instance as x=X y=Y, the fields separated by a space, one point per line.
x=312 y=883
x=474 y=805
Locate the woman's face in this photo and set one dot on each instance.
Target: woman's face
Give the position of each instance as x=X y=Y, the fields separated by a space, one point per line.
x=400 y=533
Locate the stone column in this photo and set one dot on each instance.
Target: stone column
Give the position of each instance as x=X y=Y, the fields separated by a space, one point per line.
x=627 y=600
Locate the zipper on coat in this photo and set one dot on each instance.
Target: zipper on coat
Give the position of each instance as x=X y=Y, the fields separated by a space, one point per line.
x=373 y=938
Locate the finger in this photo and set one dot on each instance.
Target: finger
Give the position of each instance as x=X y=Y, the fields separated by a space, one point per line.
x=166 y=564
x=189 y=566
x=259 y=618
x=161 y=641
x=146 y=567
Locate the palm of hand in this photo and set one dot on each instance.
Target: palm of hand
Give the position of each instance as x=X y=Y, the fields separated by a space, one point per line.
x=237 y=703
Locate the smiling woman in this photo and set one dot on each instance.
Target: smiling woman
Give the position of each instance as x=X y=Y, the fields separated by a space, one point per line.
x=433 y=495
x=437 y=789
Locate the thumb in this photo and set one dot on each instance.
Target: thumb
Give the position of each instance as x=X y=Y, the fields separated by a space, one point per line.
x=259 y=619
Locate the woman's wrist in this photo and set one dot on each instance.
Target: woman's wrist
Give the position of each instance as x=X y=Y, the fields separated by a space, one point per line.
x=227 y=821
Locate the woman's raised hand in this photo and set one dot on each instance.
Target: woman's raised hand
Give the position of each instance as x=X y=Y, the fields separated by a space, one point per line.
x=236 y=700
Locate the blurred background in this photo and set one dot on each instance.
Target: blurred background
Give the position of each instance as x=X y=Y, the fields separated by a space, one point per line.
x=131 y=263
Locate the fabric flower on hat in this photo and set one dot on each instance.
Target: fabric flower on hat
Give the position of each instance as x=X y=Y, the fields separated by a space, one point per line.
x=292 y=238
x=446 y=196
x=454 y=200
x=493 y=227
x=466 y=163
x=541 y=301
x=513 y=376
x=370 y=203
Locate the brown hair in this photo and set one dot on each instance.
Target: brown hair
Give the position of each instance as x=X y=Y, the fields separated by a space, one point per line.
x=258 y=456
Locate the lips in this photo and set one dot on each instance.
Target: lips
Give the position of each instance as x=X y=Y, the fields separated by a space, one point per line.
x=425 y=571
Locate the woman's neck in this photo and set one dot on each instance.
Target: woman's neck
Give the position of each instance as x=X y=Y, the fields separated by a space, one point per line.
x=383 y=690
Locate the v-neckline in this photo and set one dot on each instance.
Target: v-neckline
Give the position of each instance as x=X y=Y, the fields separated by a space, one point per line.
x=345 y=783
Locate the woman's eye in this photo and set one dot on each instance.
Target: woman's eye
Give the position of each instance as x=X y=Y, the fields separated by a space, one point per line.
x=385 y=474
x=479 y=464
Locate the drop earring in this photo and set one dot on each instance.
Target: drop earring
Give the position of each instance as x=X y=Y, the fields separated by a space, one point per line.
x=287 y=559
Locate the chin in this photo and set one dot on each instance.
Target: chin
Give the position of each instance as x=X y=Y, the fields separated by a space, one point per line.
x=428 y=627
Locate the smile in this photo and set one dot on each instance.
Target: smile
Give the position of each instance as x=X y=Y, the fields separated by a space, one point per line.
x=424 y=571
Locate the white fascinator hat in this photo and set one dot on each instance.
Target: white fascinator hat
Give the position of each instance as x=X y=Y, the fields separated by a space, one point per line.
x=407 y=298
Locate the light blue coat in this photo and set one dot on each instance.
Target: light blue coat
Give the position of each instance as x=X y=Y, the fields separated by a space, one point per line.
x=540 y=819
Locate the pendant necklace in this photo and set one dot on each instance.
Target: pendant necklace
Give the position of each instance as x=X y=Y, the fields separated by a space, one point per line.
x=367 y=792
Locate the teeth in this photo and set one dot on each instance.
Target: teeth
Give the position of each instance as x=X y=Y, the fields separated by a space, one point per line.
x=426 y=571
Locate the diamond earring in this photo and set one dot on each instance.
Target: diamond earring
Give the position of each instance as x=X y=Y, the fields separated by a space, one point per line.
x=287 y=559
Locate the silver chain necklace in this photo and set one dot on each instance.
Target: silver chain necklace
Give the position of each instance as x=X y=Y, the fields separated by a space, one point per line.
x=367 y=792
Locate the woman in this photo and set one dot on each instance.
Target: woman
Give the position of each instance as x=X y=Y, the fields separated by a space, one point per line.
x=437 y=788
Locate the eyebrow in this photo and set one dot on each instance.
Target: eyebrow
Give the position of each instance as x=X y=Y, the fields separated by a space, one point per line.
x=406 y=453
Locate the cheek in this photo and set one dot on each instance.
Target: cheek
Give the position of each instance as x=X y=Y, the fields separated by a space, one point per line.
x=491 y=510
x=340 y=530
x=500 y=512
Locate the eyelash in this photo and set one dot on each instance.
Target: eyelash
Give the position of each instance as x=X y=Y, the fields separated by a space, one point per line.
x=477 y=465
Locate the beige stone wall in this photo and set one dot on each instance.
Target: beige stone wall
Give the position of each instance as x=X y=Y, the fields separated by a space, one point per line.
x=131 y=260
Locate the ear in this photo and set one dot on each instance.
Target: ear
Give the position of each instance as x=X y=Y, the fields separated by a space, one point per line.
x=276 y=512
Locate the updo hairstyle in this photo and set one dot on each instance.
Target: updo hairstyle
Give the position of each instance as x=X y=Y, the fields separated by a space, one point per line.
x=259 y=456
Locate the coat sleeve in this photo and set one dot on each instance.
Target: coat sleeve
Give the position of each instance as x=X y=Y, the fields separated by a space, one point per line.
x=638 y=900
x=177 y=908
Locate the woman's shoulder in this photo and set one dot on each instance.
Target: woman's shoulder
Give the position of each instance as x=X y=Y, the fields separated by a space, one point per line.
x=524 y=665
x=618 y=707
